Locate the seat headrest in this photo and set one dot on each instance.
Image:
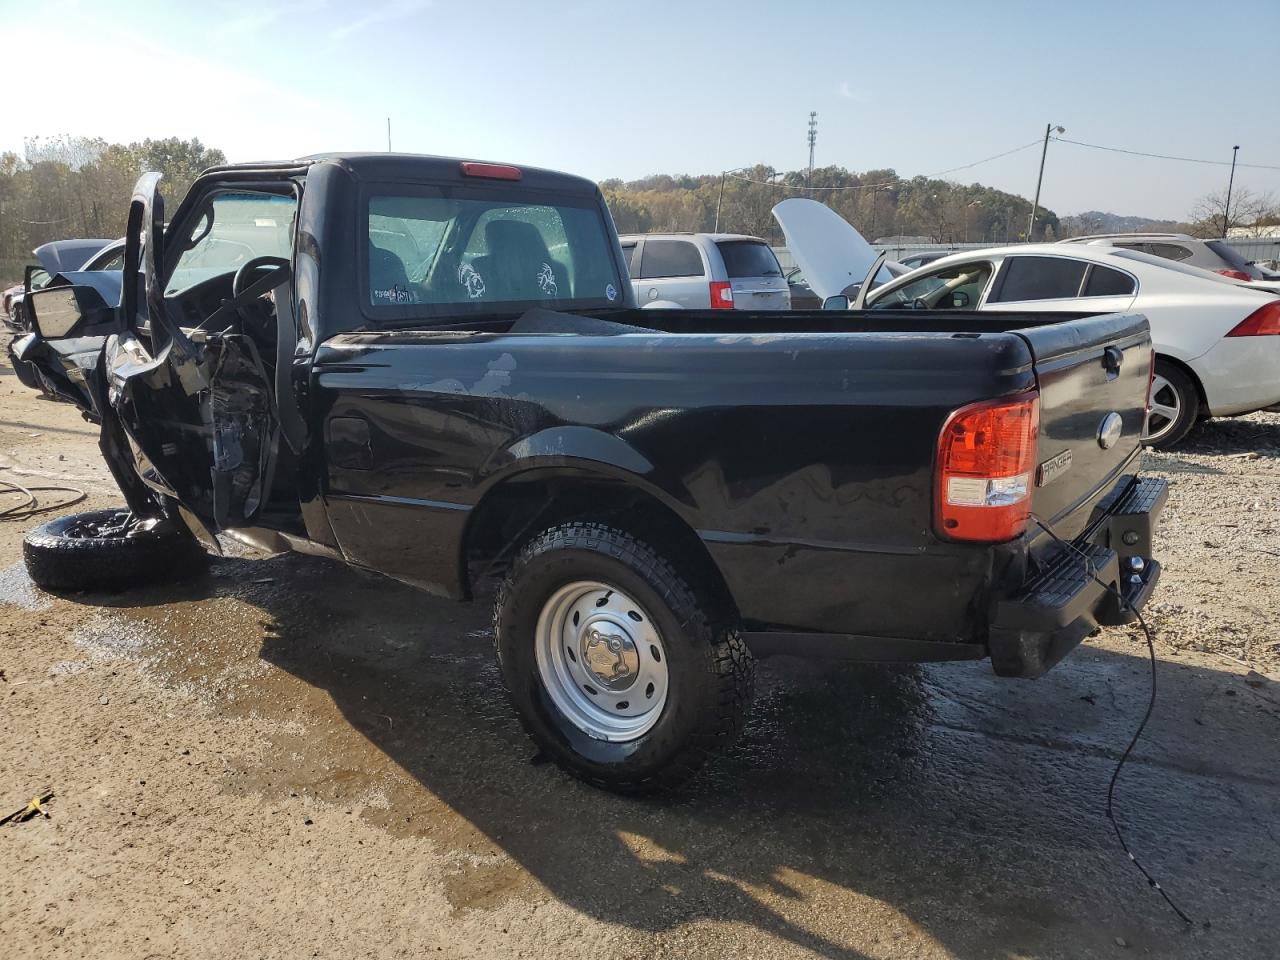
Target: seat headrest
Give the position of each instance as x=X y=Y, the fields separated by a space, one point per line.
x=515 y=238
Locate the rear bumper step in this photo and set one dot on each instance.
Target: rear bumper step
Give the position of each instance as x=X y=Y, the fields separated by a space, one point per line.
x=1034 y=629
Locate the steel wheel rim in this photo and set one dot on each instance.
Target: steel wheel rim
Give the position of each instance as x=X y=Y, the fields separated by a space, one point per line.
x=602 y=661
x=1166 y=406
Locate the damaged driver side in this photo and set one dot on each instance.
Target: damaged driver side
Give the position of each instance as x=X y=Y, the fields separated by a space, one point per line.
x=191 y=375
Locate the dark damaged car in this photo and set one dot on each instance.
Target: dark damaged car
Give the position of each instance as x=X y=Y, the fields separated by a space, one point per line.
x=434 y=369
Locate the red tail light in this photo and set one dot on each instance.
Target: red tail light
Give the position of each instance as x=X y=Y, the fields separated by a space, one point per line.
x=721 y=295
x=493 y=171
x=1234 y=274
x=986 y=458
x=1264 y=322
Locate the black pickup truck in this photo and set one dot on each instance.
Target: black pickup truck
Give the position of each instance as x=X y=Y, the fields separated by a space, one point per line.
x=434 y=369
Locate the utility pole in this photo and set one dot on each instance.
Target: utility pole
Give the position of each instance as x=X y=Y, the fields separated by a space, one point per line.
x=1231 y=182
x=388 y=134
x=1031 y=224
x=813 y=139
x=720 y=199
x=967 y=208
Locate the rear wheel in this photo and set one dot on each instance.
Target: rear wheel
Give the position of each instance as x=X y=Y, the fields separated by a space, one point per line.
x=1175 y=406
x=614 y=661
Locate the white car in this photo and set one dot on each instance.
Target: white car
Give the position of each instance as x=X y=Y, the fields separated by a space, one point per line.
x=1217 y=340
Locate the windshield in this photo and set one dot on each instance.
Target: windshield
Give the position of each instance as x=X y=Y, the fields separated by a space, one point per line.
x=747 y=258
x=233 y=229
x=449 y=254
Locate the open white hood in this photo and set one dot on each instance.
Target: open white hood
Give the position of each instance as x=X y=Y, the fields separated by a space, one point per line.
x=832 y=255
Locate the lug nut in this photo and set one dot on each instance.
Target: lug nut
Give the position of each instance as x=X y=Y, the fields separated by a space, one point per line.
x=1135 y=580
x=1130 y=537
x=1137 y=564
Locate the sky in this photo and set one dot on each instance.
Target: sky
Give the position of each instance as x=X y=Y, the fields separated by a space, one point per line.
x=629 y=89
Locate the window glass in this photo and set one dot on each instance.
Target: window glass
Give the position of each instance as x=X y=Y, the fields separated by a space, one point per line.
x=629 y=256
x=670 y=258
x=110 y=258
x=1170 y=251
x=116 y=262
x=233 y=229
x=746 y=258
x=957 y=287
x=1040 y=278
x=457 y=255
x=1105 y=282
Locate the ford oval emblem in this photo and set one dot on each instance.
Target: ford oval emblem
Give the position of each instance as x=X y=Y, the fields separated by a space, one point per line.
x=1109 y=430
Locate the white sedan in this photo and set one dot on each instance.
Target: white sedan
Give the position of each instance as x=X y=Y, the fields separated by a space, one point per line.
x=1217 y=340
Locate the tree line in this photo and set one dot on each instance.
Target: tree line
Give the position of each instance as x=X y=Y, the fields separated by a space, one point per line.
x=78 y=187
x=878 y=203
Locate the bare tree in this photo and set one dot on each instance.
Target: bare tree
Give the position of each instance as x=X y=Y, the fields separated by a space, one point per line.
x=1249 y=211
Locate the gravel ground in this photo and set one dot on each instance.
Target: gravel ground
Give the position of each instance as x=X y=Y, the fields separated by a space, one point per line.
x=1219 y=541
x=288 y=758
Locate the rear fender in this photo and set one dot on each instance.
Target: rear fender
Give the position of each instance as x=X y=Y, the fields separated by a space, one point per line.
x=569 y=445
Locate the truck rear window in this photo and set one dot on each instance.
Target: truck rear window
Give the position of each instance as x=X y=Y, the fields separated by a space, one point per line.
x=746 y=258
x=443 y=255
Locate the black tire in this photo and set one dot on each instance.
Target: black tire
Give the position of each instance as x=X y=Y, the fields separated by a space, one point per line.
x=711 y=672
x=1179 y=387
x=73 y=554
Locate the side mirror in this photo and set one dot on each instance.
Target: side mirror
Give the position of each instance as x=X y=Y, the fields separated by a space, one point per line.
x=60 y=312
x=839 y=302
x=34 y=278
x=959 y=299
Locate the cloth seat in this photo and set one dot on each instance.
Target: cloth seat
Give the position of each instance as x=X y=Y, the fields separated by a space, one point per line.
x=518 y=265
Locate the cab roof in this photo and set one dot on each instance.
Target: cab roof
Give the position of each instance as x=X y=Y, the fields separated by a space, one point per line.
x=418 y=167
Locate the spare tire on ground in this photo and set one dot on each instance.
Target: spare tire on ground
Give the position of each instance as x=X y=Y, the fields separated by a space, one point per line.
x=109 y=550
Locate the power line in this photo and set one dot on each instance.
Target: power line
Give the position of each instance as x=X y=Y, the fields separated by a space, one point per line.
x=975 y=163
x=890 y=183
x=1163 y=156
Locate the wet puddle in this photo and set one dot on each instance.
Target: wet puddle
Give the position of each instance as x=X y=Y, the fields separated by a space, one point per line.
x=17 y=589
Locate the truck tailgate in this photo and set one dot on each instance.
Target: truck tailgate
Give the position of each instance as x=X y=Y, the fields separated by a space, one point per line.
x=1093 y=375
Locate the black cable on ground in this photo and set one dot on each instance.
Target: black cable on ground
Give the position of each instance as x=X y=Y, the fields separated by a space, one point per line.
x=1137 y=734
x=30 y=505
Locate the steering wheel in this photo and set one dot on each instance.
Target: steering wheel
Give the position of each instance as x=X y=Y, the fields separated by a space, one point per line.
x=244 y=276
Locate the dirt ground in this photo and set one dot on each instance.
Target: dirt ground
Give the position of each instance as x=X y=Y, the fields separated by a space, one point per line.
x=291 y=759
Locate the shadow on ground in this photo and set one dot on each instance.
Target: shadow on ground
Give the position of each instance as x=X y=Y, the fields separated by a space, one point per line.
x=1230 y=435
x=864 y=810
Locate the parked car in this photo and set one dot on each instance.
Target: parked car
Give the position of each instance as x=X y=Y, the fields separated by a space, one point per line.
x=662 y=494
x=53 y=257
x=802 y=295
x=1217 y=256
x=705 y=271
x=1217 y=341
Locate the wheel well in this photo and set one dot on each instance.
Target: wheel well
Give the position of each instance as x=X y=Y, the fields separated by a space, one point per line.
x=1172 y=361
x=528 y=503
